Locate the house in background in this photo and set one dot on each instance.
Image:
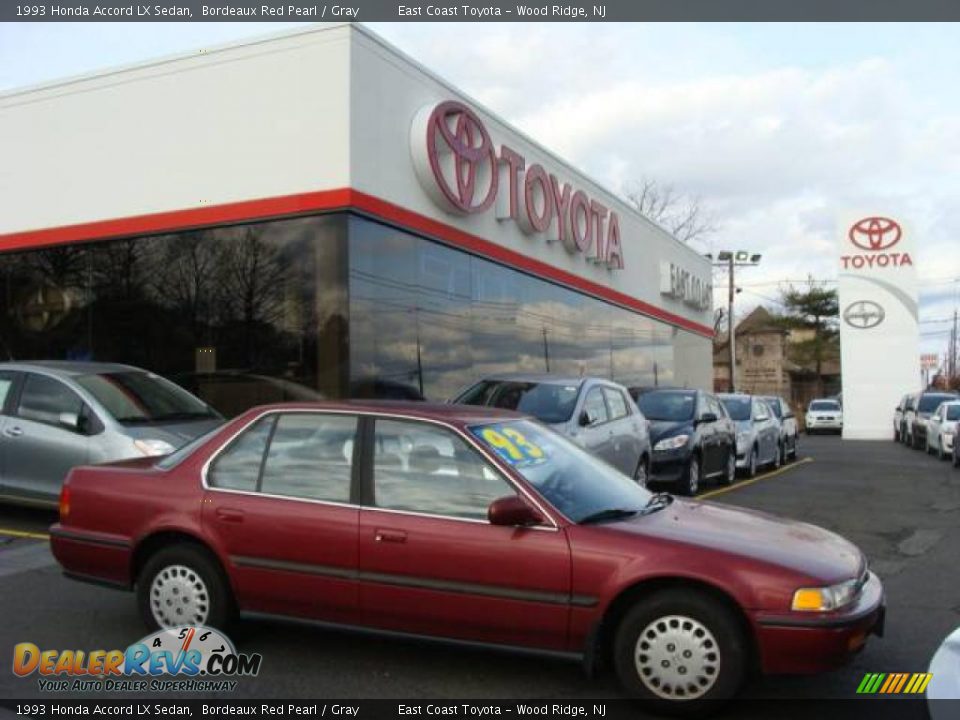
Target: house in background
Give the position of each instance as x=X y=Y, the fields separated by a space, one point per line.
x=767 y=362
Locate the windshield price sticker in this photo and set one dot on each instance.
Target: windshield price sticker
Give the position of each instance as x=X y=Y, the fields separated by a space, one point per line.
x=511 y=445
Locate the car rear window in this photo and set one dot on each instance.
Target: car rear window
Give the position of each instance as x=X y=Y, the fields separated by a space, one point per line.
x=548 y=402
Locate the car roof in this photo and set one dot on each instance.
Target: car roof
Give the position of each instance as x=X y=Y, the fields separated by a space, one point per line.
x=546 y=378
x=446 y=412
x=69 y=368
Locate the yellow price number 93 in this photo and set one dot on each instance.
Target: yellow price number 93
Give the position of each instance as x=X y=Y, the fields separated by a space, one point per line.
x=513 y=443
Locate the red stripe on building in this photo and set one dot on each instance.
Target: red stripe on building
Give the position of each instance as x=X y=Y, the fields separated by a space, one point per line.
x=325 y=201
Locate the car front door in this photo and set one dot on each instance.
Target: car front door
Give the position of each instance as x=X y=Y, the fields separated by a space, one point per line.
x=430 y=561
x=707 y=432
x=597 y=435
x=279 y=504
x=41 y=439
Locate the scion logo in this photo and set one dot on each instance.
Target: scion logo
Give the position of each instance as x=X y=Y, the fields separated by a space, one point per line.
x=43 y=308
x=462 y=170
x=864 y=314
x=458 y=144
x=875 y=233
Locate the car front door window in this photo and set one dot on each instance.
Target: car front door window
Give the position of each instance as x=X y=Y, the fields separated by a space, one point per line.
x=48 y=401
x=427 y=469
x=595 y=407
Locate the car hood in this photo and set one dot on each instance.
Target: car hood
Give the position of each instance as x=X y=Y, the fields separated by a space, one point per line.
x=743 y=426
x=660 y=429
x=176 y=433
x=799 y=546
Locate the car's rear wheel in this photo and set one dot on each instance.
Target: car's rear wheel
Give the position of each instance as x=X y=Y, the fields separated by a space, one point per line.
x=691 y=479
x=184 y=585
x=642 y=474
x=679 y=651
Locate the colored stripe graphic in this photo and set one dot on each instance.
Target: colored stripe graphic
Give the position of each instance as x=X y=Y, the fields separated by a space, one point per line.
x=894 y=683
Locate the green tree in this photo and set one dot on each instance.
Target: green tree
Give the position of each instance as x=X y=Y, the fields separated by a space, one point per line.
x=815 y=308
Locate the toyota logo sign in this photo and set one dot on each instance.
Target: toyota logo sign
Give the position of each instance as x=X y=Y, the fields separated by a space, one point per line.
x=459 y=166
x=864 y=314
x=875 y=233
x=462 y=158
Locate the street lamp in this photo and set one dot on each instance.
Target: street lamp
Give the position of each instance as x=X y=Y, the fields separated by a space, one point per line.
x=730 y=260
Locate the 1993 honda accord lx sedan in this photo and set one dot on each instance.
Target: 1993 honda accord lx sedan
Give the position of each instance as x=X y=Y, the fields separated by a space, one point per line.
x=473 y=524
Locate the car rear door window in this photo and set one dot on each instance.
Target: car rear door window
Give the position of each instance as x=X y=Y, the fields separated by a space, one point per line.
x=311 y=456
x=617 y=404
x=427 y=469
x=44 y=399
x=238 y=467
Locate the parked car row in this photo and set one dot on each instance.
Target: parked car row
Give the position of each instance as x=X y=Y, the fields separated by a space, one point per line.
x=928 y=421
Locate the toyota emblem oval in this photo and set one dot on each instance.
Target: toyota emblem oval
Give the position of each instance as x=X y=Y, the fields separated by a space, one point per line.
x=864 y=314
x=875 y=233
x=461 y=158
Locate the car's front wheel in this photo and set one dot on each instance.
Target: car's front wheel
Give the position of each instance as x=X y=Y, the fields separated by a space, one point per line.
x=752 y=462
x=680 y=650
x=691 y=479
x=956 y=455
x=183 y=585
x=940 y=454
x=729 y=476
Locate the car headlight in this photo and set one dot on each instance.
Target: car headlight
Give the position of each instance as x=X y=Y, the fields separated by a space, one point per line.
x=672 y=443
x=153 y=447
x=824 y=599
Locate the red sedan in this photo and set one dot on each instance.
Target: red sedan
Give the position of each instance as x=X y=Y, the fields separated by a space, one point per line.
x=467 y=523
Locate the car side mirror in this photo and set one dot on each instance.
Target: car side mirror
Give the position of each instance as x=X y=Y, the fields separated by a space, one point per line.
x=513 y=511
x=708 y=417
x=586 y=419
x=71 y=421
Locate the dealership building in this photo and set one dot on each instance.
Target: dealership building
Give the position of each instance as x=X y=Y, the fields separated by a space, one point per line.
x=316 y=213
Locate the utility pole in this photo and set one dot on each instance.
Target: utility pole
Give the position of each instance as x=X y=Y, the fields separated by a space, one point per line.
x=731 y=260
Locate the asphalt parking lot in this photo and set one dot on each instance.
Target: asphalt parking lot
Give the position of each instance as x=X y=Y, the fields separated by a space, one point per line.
x=900 y=506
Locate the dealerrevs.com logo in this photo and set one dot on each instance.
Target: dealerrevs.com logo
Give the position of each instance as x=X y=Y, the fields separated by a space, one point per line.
x=182 y=659
x=876 y=236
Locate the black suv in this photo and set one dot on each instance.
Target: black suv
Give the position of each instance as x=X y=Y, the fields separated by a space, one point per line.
x=692 y=436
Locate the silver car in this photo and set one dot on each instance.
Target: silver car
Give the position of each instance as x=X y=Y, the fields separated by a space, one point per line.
x=56 y=415
x=758 y=432
x=598 y=414
x=788 y=426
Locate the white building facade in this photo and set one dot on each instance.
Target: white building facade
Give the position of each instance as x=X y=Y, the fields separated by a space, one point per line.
x=317 y=213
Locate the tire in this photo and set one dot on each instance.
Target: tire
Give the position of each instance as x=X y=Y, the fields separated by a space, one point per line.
x=752 y=462
x=956 y=457
x=188 y=572
x=668 y=628
x=729 y=476
x=940 y=454
x=691 y=478
x=778 y=460
x=641 y=475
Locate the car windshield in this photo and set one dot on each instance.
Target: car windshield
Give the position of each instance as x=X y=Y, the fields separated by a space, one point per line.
x=738 y=408
x=828 y=405
x=668 y=405
x=133 y=397
x=929 y=403
x=573 y=481
x=548 y=402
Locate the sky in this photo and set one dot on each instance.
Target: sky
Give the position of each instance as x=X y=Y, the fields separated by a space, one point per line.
x=777 y=129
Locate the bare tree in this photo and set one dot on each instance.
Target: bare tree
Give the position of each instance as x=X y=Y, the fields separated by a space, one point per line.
x=682 y=215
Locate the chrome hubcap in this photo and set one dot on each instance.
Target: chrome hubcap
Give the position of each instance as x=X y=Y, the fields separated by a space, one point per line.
x=677 y=658
x=178 y=596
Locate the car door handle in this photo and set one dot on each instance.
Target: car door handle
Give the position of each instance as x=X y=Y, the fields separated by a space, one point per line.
x=13 y=432
x=393 y=536
x=230 y=515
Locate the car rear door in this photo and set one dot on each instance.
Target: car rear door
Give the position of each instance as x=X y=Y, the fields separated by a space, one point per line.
x=280 y=505
x=432 y=564
x=38 y=448
x=625 y=426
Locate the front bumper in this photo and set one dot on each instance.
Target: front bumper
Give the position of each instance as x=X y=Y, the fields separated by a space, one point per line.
x=670 y=466
x=795 y=643
x=822 y=424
